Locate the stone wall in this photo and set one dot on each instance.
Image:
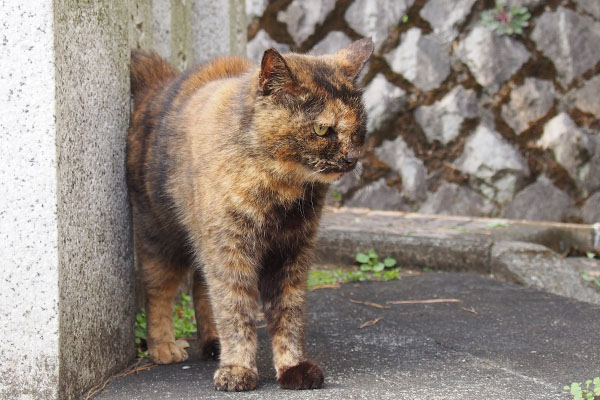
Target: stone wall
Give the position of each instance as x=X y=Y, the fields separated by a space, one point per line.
x=462 y=120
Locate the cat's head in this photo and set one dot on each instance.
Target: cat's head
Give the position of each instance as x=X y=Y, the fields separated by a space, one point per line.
x=309 y=114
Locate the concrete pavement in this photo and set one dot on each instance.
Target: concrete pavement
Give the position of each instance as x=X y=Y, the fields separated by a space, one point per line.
x=501 y=341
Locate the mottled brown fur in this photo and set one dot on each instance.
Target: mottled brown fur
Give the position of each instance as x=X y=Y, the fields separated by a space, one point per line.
x=227 y=178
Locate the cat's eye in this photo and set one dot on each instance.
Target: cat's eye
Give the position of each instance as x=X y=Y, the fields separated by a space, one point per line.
x=320 y=129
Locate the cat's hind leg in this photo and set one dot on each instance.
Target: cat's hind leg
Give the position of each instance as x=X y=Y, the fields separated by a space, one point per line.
x=208 y=341
x=161 y=281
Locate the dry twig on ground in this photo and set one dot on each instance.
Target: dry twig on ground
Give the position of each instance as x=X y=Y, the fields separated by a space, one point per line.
x=134 y=369
x=370 y=304
x=428 y=301
x=370 y=323
x=326 y=286
x=471 y=310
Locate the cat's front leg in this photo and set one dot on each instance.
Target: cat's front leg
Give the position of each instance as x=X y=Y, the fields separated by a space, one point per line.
x=233 y=292
x=283 y=292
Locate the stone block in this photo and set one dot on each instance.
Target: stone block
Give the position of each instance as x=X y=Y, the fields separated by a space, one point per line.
x=303 y=16
x=334 y=41
x=587 y=98
x=557 y=205
x=492 y=58
x=590 y=212
x=377 y=195
x=347 y=181
x=262 y=41
x=375 y=18
x=445 y=16
x=421 y=59
x=590 y=6
x=571 y=41
x=590 y=178
x=255 y=8
x=382 y=100
x=411 y=169
x=442 y=120
x=397 y=236
x=570 y=145
x=452 y=199
x=496 y=166
x=528 y=103
x=537 y=266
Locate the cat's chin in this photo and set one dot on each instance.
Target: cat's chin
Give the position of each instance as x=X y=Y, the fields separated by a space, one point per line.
x=327 y=177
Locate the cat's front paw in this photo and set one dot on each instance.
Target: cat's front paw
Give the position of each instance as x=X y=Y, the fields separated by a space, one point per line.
x=235 y=379
x=305 y=375
x=167 y=353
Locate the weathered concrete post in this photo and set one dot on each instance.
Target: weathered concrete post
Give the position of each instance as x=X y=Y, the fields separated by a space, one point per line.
x=189 y=32
x=67 y=302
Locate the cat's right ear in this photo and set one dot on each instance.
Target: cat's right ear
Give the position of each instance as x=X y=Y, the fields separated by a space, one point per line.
x=274 y=73
x=353 y=57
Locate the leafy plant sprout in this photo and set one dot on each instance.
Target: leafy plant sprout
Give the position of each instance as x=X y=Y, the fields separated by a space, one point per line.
x=506 y=21
x=370 y=261
x=589 y=393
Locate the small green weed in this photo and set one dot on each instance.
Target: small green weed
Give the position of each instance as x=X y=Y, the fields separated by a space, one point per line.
x=404 y=19
x=587 y=276
x=592 y=255
x=589 y=393
x=497 y=224
x=337 y=196
x=371 y=269
x=184 y=324
x=140 y=334
x=370 y=262
x=320 y=277
x=506 y=21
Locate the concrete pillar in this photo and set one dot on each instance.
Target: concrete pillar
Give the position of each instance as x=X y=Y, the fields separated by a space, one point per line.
x=219 y=28
x=188 y=32
x=67 y=302
x=28 y=216
x=94 y=225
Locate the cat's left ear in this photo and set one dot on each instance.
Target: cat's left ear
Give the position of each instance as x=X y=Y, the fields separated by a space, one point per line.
x=274 y=73
x=353 y=57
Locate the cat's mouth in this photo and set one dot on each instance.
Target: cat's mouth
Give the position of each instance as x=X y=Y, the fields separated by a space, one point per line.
x=330 y=167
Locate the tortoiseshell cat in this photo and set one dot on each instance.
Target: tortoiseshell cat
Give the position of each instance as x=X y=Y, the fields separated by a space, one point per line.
x=227 y=166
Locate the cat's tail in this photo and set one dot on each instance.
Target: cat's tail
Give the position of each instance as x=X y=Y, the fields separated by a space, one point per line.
x=148 y=69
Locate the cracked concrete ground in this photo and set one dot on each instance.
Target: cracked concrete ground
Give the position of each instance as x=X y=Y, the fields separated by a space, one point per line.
x=522 y=343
